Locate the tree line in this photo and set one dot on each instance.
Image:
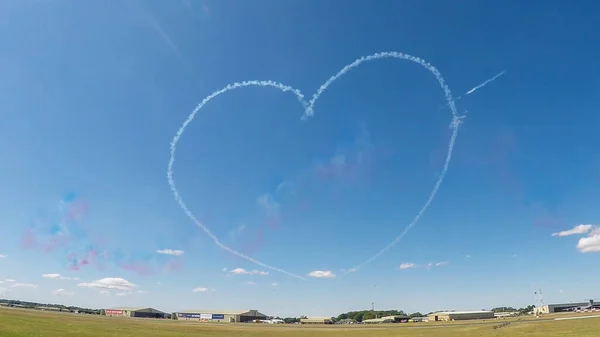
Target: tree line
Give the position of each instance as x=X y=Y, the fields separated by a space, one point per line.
x=54 y=307
x=362 y=315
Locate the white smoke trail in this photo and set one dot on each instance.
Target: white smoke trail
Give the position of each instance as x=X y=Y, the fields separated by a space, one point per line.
x=477 y=87
x=309 y=111
x=456 y=121
x=182 y=204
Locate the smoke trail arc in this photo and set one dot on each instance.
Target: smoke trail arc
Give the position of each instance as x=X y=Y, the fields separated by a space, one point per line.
x=308 y=112
x=173 y=148
x=456 y=121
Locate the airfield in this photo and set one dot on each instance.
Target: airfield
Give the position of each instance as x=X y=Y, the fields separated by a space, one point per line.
x=22 y=323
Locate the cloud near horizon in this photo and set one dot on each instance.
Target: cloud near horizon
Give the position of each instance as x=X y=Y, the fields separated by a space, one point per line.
x=115 y=283
x=63 y=292
x=202 y=290
x=172 y=252
x=24 y=285
x=59 y=277
x=321 y=274
x=242 y=271
x=407 y=265
x=588 y=244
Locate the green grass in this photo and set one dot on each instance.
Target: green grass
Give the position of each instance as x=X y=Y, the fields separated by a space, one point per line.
x=29 y=323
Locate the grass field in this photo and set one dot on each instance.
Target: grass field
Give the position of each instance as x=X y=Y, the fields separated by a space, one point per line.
x=29 y=323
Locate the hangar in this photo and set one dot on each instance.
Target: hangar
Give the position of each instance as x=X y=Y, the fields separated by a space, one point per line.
x=460 y=315
x=562 y=307
x=220 y=316
x=135 y=312
x=316 y=320
x=388 y=319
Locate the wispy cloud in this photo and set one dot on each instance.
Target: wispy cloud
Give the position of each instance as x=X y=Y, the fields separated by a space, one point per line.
x=9 y=280
x=407 y=265
x=63 y=292
x=173 y=252
x=116 y=283
x=588 y=244
x=443 y=263
x=251 y=283
x=24 y=285
x=242 y=271
x=321 y=274
x=579 y=229
x=2 y=256
x=59 y=277
x=202 y=290
x=274 y=284
x=141 y=292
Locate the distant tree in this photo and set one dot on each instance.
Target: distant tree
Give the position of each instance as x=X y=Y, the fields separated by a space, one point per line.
x=416 y=314
x=504 y=309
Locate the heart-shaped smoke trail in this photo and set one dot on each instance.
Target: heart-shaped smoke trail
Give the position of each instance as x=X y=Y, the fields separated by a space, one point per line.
x=309 y=111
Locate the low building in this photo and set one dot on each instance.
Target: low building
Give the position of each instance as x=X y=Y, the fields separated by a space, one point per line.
x=387 y=319
x=316 y=320
x=460 y=315
x=562 y=307
x=220 y=316
x=135 y=312
x=418 y=319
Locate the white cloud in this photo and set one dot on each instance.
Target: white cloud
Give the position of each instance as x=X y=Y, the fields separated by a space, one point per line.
x=579 y=229
x=242 y=271
x=123 y=293
x=176 y=252
x=322 y=274
x=443 y=263
x=109 y=283
x=588 y=244
x=407 y=265
x=274 y=284
x=251 y=283
x=9 y=280
x=142 y=292
x=24 y=285
x=224 y=269
x=63 y=292
x=200 y=290
x=105 y=292
x=59 y=277
x=3 y=256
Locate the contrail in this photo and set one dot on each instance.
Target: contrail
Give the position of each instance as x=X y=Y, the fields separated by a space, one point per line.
x=308 y=112
x=225 y=89
x=477 y=87
x=485 y=83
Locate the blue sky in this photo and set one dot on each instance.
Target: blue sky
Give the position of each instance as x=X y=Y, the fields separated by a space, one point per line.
x=92 y=94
